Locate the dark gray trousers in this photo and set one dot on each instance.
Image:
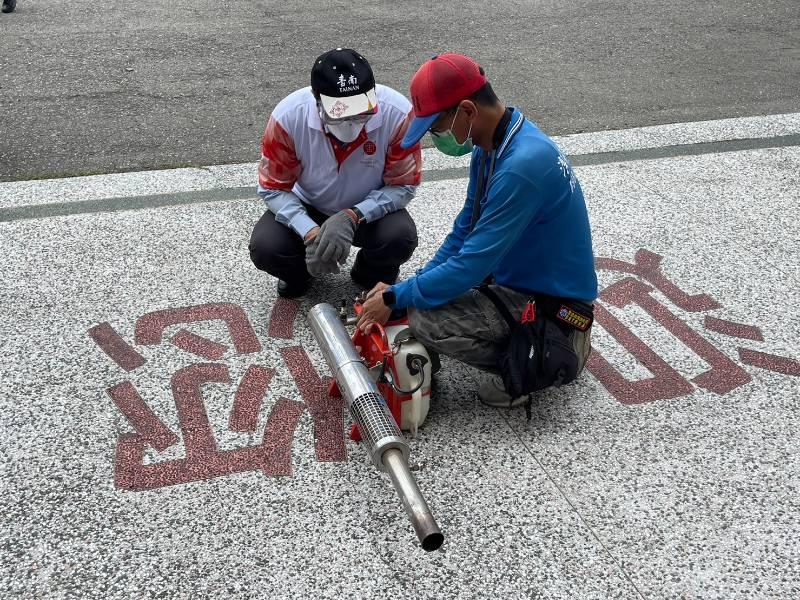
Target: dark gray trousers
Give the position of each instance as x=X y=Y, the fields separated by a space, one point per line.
x=471 y=329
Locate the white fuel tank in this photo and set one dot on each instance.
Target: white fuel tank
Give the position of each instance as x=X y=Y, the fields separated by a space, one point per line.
x=415 y=406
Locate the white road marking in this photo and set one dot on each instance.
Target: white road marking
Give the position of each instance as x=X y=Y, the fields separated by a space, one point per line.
x=143 y=183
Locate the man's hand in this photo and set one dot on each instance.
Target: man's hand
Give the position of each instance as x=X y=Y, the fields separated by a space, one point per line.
x=336 y=236
x=314 y=264
x=378 y=289
x=374 y=310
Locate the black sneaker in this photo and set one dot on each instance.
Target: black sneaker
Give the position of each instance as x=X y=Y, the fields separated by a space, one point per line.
x=294 y=289
x=9 y=5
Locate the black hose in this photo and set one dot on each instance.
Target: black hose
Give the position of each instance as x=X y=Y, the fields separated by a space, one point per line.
x=388 y=379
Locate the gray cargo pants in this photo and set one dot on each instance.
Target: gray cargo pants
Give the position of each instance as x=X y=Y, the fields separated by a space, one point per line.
x=471 y=329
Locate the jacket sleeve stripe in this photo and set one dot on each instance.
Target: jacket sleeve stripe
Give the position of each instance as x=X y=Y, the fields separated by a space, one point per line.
x=279 y=166
x=402 y=167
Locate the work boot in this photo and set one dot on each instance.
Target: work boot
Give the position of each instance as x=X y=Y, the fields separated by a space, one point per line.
x=9 y=5
x=293 y=289
x=493 y=393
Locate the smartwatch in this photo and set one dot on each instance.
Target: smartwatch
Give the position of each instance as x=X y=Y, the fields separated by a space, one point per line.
x=389 y=298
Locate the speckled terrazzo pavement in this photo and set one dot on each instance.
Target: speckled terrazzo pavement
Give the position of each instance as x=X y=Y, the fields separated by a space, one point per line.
x=681 y=489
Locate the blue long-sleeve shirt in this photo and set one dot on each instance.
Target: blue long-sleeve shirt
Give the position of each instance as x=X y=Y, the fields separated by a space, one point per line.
x=533 y=232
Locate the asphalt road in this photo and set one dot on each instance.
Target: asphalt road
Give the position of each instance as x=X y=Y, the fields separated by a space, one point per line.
x=108 y=86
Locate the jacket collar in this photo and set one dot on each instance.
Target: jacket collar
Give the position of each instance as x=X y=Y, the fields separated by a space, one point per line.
x=513 y=125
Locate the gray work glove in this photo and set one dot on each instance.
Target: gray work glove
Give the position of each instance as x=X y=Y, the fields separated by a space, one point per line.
x=335 y=238
x=314 y=264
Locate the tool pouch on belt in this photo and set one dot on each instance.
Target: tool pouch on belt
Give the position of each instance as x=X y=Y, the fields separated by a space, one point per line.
x=540 y=351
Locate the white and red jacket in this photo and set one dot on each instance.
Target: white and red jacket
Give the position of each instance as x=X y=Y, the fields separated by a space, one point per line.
x=300 y=163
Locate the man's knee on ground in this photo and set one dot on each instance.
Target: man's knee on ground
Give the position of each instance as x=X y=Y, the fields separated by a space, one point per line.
x=405 y=234
x=260 y=253
x=401 y=247
x=394 y=237
x=271 y=255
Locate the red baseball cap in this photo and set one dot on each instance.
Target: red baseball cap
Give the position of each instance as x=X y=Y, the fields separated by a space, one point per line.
x=438 y=85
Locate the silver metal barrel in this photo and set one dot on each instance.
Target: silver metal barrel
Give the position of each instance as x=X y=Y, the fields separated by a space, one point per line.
x=385 y=443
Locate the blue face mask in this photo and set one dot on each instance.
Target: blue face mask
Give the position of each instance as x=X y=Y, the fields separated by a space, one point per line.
x=446 y=142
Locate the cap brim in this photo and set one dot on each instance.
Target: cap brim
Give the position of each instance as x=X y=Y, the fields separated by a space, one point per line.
x=349 y=106
x=419 y=127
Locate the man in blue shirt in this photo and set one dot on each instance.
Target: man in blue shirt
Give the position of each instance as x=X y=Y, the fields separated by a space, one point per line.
x=528 y=237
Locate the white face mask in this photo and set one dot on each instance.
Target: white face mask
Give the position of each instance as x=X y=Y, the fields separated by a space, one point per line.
x=346 y=131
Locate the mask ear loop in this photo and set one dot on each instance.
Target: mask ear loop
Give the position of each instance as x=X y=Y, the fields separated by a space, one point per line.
x=320 y=112
x=469 y=132
x=453 y=122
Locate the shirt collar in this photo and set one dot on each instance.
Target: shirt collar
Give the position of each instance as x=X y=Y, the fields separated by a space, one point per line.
x=516 y=119
x=502 y=126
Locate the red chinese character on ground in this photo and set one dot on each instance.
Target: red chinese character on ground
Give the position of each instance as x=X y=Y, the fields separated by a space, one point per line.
x=203 y=459
x=723 y=375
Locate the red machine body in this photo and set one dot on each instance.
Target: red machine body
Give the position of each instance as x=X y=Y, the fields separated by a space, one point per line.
x=390 y=358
